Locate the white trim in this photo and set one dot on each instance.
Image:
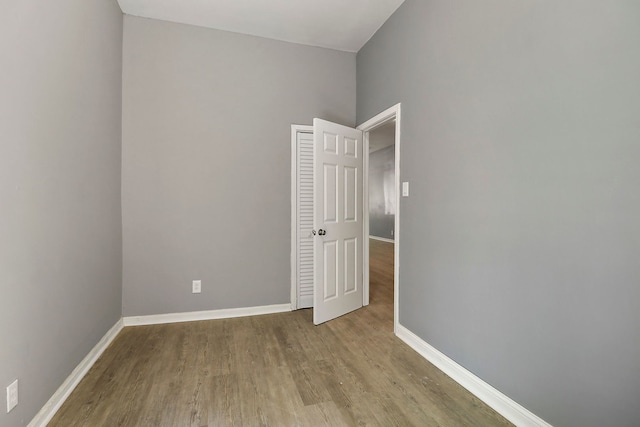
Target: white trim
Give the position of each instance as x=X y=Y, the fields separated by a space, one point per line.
x=193 y=316
x=365 y=218
x=382 y=239
x=295 y=129
x=512 y=411
x=294 y=202
x=377 y=121
x=50 y=408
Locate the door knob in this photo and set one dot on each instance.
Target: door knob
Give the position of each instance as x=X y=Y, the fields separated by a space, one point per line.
x=322 y=232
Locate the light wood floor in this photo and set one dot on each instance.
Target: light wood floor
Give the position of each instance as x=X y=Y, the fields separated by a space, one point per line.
x=274 y=370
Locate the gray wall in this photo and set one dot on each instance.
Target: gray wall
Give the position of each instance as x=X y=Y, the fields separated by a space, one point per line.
x=520 y=241
x=206 y=161
x=381 y=168
x=60 y=222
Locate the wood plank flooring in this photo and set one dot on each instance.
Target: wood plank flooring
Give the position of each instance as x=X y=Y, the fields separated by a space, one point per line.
x=274 y=370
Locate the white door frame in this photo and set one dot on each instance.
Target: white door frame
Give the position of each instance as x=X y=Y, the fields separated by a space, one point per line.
x=375 y=122
x=392 y=113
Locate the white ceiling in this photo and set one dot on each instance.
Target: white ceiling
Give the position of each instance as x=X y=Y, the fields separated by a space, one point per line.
x=337 y=24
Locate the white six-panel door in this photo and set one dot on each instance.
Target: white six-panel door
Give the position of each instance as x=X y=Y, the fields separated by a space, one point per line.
x=338 y=220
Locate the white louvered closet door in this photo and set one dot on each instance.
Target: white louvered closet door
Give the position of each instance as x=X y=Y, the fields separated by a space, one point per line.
x=305 y=220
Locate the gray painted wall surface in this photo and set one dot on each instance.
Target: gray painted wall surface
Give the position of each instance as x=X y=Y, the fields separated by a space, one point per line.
x=60 y=221
x=206 y=161
x=381 y=211
x=520 y=241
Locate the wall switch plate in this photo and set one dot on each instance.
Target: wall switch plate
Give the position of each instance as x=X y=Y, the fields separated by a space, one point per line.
x=12 y=395
x=405 y=189
x=196 y=286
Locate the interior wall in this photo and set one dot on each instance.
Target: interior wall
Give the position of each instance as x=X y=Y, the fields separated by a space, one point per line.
x=521 y=234
x=382 y=194
x=60 y=220
x=207 y=120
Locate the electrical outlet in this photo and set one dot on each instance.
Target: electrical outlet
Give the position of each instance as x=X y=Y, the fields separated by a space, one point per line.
x=196 y=286
x=12 y=395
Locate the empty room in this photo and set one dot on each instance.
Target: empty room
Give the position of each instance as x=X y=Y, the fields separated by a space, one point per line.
x=198 y=226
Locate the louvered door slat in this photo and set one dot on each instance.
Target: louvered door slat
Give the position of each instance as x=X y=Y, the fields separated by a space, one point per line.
x=305 y=220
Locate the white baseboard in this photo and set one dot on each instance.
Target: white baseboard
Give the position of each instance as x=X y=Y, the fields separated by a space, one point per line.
x=193 y=316
x=50 y=408
x=382 y=239
x=502 y=404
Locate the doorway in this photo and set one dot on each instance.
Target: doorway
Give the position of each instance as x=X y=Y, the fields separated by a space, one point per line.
x=382 y=209
x=385 y=118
